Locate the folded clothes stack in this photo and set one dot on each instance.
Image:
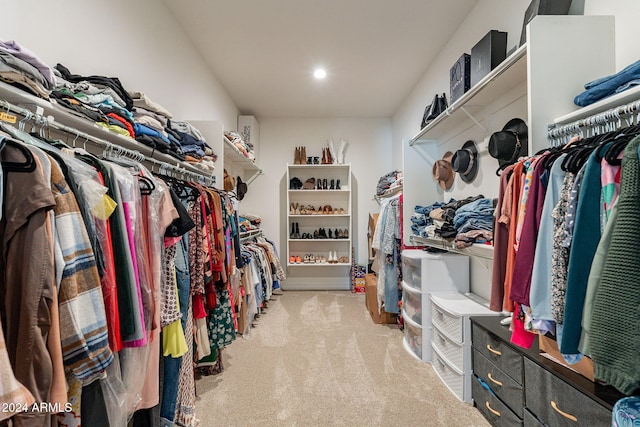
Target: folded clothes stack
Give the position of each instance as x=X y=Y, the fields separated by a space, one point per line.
x=21 y=68
x=468 y=220
x=248 y=222
x=389 y=184
x=246 y=148
x=105 y=101
x=609 y=85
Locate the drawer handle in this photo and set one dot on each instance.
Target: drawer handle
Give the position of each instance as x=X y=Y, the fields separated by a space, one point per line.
x=499 y=353
x=442 y=339
x=564 y=414
x=493 y=411
x=440 y=314
x=493 y=380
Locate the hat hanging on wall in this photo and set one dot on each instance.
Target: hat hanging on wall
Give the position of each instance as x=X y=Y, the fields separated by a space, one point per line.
x=241 y=188
x=509 y=144
x=465 y=161
x=442 y=171
x=229 y=182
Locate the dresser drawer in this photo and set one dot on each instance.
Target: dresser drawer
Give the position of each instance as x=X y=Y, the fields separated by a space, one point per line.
x=509 y=391
x=448 y=323
x=451 y=351
x=413 y=338
x=493 y=409
x=450 y=376
x=412 y=303
x=497 y=352
x=530 y=420
x=556 y=403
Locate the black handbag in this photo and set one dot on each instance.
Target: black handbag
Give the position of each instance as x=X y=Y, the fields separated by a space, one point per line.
x=433 y=110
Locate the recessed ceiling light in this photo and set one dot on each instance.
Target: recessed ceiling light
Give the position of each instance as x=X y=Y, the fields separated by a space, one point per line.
x=320 y=73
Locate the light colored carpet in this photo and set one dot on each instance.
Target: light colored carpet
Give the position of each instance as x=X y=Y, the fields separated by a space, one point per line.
x=317 y=359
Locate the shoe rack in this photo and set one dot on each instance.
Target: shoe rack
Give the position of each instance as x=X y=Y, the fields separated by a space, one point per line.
x=319 y=216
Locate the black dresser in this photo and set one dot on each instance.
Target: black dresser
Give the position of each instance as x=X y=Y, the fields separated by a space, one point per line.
x=513 y=386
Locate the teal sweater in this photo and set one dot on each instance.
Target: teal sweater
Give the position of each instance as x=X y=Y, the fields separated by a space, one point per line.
x=615 y=328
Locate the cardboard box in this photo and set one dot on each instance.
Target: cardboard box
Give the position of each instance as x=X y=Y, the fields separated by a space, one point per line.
x=371 y=301
x=490 y=51
x=373 y=219
x=460 y=77
x=584 y=367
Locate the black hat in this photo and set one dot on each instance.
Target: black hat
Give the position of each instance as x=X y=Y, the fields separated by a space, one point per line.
x=465 y=161
x=241 y=188
x=511 y=143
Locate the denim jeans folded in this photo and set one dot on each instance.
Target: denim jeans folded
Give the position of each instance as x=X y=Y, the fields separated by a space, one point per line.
x=606 y=86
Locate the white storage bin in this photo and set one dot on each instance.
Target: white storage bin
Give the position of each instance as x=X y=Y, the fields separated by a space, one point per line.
x=450 y=376
x=451 y=351
x=412 y=304
x=413 y=338
x=448 y=323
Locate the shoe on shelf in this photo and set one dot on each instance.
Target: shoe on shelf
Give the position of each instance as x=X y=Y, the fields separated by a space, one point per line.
x=309 y=184
x=337 y=184
x=293 y=230
x=326 y=210
x=316 y=160
x=303 y=155
x=332 y=185
x=296 y=156
x=345 y=234
x=315 y=234
x=310 y=210
x=296 y=235
x=292 y=259
x=292 y=208
x=319 y=184
x=298 y=259
x=324 y=184
x=312 y=259
x=330 y=234
x=338 y=234
x=341 y=211
x=330 y=260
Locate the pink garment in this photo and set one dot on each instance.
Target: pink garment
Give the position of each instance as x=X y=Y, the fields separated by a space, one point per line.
x=519 y=336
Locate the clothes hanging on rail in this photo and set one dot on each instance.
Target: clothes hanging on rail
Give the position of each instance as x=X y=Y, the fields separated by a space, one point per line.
x=93 y=236
x=562 y=203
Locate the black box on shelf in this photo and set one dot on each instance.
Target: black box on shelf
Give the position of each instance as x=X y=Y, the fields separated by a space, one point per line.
x=543 y=7
x=460 y=77
x=490 y=51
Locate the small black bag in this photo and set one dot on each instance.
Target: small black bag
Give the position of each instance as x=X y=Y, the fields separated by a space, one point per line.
x=433 y=110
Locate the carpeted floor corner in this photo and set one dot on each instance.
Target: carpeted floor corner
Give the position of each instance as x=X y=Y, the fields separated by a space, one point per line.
x=317 y=359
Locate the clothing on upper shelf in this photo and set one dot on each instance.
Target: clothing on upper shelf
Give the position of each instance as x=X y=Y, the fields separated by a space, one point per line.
x=606 y=86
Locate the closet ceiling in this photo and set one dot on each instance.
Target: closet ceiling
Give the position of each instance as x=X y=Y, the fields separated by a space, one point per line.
x=264 y=52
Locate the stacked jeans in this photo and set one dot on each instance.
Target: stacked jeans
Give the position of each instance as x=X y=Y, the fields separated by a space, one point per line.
x=477 y=215
x=609 y=85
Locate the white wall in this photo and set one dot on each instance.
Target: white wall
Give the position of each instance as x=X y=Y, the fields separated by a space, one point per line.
x=626 y=13
x=368 y=154
x=137 y=41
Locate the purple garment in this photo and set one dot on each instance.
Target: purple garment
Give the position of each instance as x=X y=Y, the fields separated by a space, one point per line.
x=523 y=265
x=15 y=49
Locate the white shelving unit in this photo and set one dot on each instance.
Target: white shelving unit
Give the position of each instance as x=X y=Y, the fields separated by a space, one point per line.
x=310 y=223
x=238 y=164
x=562 y=53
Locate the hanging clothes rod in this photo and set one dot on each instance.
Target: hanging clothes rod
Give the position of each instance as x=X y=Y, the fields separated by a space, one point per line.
x=606 y=121
x=109 y=149
x=246 y=235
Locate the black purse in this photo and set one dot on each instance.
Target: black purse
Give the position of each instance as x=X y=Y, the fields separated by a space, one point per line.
x=433 y=110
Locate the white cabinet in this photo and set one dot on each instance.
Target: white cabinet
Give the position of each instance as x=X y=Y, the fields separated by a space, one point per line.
x=319 y=217
x=423 y=274
x=451 y=340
